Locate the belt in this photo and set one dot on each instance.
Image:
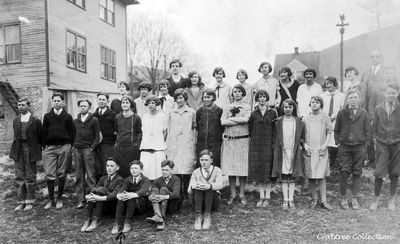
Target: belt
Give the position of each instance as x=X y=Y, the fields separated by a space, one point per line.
x=235 y=137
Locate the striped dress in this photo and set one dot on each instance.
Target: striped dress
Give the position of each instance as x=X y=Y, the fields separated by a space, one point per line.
x=235 y=151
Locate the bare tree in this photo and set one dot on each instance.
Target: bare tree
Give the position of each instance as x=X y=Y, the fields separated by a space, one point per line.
x=379 y=8
x=152 y=44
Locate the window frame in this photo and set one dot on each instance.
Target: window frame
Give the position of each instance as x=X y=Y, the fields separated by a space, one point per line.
x=106 y=11
x=107 y=63
x=75 y=51
x=5 y=45
x=74 y=3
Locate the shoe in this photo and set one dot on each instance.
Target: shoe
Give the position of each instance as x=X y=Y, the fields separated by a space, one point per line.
x=344 y=204
x=20 y=207
x=326 y=206
x=392 y=204
x=313 y=204
x=93 y=225
x=207 y=221
x=161 y=226
x=115 y=229
x=127 y=228
x=354 y=203
x=59 y=204
x=197 y=222
x=243 y=200
x=230 y=200
x=28 y=206
x=291 y=204
x=81 y=205
x=155 y=218
x=265 y=203
x=285 y=205
x=85 y=225
x=260 y=202
x=374 y=204
x=49 y=205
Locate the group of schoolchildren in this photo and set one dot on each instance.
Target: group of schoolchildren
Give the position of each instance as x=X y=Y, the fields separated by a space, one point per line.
x=159 y=150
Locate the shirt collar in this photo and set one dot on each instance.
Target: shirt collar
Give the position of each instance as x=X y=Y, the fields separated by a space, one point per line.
x=58 y=112
x=25 y=117
x=112 y=176
x=222 y=84
x=84 y=117
x=209 y=169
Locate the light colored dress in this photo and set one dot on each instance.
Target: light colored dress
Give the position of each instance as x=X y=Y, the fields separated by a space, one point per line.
x=249 y=93
x=223 y=93
x=271 y=85
x=317 y=129
x=140 y=107
x=304 y=94
x=153 y=145
x=289 y=132
x=338 y=104
x=168 y=104
x=181 y=139
x=235 y=151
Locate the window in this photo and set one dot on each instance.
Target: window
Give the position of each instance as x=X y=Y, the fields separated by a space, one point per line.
x=80 y=3
x=76 y=51
x=107 y=11
x=10 y=44
x=107 y=65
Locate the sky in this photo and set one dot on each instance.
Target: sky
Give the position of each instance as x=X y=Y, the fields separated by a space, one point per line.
x=242 y=33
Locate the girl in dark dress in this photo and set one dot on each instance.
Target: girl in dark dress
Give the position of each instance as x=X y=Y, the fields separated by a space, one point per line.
x=288 y=87
x=128 y=129
x=261 y=131
x=209 y=128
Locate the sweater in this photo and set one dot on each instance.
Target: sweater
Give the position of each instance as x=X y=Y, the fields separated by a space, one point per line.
x=215 y=179
x=141 y=188
x=106 y=122
x=174 y=186
x=386 y=129
x=352 y=129
x=87 y=134
x=58 y=129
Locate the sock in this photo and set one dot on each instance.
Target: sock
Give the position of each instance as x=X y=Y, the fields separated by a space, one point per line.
x=393 y=185
x=343 y=184
x=356 y=185
x=268 y=191
x=285 y=191
x=61 y=184
x=291 y=191
x=378 y=186
x=322 y=189
x=313 y=187
x=50 y=188
x=261 y=191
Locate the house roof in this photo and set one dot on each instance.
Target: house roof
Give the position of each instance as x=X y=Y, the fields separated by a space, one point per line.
x=308 y=59
x=129 y=2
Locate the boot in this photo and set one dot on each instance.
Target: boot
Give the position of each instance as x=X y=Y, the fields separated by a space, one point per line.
x=115 y=229
x=161 y=226
x=85 y=225
x=164 y=205
x=127 y=227
x=157 y=218
x=207 y=221
x=93 y=225
x=197 y=222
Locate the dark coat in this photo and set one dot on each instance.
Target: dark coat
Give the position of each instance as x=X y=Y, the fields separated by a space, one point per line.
x=106 y=122
x=34 y=138
x=58 y=129
x=298 y=160
x=183 y=83
x=385 y=128
x=174 y=186
x=113 y=187
x=352 y=130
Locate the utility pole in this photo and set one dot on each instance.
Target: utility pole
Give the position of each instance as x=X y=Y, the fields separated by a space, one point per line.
x=341 y=25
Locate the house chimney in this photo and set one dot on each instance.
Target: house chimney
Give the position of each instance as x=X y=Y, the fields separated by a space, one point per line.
x=296 y=50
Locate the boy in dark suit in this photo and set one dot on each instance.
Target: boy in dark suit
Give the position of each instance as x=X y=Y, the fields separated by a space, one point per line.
x=103 y=196
x=165 y=194
x=386 y=137
x=132 y=196
x=26 y=150
x=352 y=135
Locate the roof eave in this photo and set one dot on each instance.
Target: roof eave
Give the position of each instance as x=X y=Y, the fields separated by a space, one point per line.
x=129 y=2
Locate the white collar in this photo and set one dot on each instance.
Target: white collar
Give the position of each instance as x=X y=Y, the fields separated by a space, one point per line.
x=84 y=117
x=209 y=170
x=25 y=117
x=58 y=112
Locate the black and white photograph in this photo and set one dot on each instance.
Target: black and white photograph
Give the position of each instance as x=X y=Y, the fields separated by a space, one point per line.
x=212 y=121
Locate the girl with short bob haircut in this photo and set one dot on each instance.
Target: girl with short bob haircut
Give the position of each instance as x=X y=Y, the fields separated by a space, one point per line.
x=195 y=90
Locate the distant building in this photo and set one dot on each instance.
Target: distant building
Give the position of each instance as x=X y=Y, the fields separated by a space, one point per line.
x=77 y=47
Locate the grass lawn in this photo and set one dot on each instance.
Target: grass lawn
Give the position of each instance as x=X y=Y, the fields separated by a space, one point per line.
x=231 y=224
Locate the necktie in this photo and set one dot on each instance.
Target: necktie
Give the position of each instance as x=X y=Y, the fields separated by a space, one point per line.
x=101 y=112
x=108 y=181
x=217 y=90
x=331 y=106
x=134 y=181
x=390 y=108
x=166 y=180
x=162 y=100
x=207 y=173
